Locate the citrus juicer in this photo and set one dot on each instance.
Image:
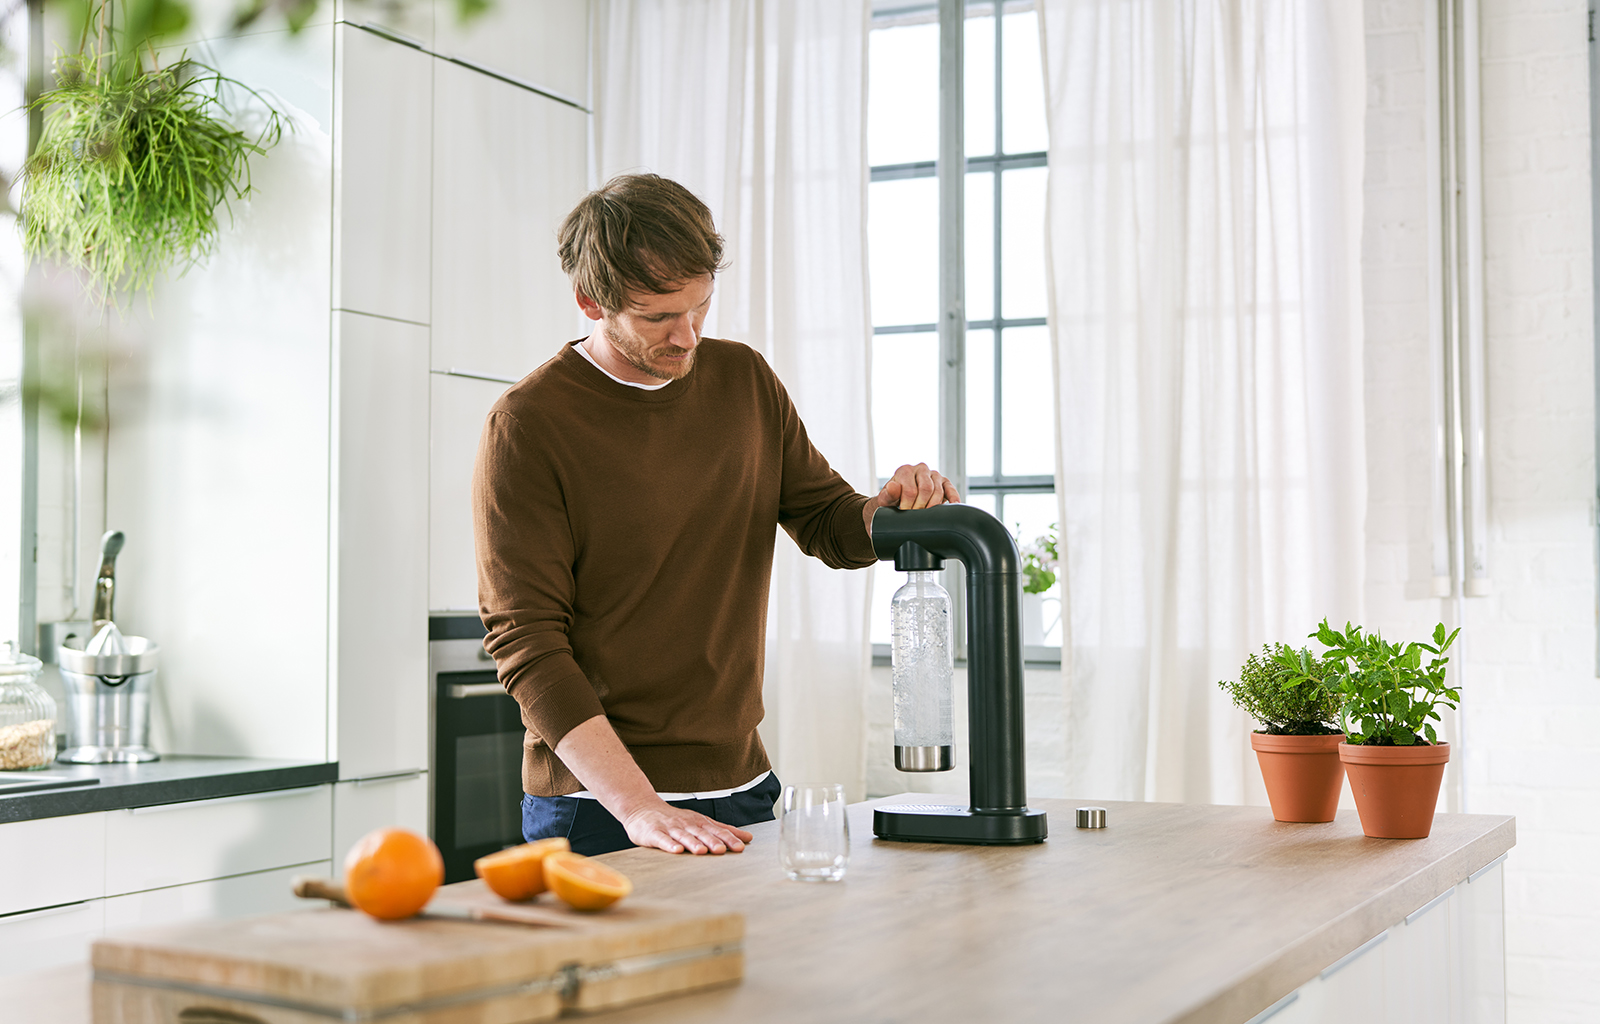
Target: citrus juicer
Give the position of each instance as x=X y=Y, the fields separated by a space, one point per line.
x=107 y=678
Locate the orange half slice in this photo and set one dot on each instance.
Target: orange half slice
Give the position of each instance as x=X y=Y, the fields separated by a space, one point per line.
x=584 y=884
x=517 y=873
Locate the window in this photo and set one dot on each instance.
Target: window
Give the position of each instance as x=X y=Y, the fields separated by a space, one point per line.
x=1009 y=404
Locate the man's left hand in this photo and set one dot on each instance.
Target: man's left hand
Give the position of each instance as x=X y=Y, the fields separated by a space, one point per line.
x=911 y=487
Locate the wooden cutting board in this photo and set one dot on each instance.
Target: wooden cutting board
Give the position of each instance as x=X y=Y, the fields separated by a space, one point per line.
x=317 y=965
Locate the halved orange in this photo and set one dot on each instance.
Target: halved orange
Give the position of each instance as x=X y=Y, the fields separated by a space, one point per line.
x=584 y=884
x=517 y=873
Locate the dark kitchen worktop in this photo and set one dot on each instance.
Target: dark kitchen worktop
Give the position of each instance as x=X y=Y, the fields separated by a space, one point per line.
x=173 y=779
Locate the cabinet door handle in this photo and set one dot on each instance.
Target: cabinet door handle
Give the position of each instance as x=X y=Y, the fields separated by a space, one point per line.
x=461 y=691
x=271 y=794
x=30 y=915
x=475 y=375
x=381 y=777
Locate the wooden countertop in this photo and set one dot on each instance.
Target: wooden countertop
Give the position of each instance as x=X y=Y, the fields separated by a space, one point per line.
x=1174 y=913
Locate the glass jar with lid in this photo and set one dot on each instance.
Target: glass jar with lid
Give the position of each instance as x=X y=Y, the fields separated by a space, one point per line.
x=27 y=713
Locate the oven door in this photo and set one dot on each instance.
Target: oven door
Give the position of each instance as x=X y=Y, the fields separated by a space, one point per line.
x=476 y=757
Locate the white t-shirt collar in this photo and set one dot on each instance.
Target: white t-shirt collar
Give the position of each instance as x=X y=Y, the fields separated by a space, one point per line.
x=584 y=352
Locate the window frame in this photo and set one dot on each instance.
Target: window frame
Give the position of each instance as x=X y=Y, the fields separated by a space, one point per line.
x=952 y=269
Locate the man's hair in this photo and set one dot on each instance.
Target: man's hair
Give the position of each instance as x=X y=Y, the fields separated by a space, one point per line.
x=638 y=233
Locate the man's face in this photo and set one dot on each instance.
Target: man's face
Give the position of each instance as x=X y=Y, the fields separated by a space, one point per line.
x=657 y=334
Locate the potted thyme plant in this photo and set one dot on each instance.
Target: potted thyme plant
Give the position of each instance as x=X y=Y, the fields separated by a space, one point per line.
x=1288 y=692
x=1390 y=700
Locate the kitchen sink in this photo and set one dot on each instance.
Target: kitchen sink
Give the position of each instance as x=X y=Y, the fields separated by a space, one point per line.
x=27 y=782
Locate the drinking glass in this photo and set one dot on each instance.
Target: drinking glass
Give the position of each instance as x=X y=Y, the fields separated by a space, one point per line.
x=813 y=835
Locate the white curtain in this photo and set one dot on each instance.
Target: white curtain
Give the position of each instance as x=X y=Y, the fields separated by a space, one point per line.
x=759 y=107
x=1204 y=245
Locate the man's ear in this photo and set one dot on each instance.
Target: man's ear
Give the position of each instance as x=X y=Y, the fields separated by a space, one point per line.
x=591 y=308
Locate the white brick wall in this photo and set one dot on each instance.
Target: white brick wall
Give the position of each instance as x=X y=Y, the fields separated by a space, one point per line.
x=1529 y=745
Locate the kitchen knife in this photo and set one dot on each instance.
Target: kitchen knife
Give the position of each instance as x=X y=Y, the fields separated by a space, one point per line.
x=312 y=888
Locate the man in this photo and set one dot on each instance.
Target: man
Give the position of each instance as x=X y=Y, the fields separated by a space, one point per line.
x=625 y=501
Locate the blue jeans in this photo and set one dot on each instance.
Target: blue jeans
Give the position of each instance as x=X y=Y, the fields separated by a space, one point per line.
x=592 y=830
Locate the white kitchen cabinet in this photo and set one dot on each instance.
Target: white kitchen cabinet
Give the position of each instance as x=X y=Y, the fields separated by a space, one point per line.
x=51 y=861
x=460 y=405
x=49 y=938
x=1444 y=964
x=508 y=165
x=410 y=20
x=65 y=880
x=541 y=42
x=382 y=553
x=1479 y=914
x=377 y=802
x=258 y=892
x=382 y=173
x=174 y=844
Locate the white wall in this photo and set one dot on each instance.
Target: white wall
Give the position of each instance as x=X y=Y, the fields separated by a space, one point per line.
x=1526 y=740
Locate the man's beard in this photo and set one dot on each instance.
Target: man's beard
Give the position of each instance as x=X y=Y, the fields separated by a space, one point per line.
x=634 y=358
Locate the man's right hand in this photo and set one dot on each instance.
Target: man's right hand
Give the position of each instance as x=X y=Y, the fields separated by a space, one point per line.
x=603 y=765
x=677 y=830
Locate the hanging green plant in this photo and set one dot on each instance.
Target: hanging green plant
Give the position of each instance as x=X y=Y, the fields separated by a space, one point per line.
x=134 y=161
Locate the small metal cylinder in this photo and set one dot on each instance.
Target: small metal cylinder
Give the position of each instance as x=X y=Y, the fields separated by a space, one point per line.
x=925 y=759
x=1091 y=817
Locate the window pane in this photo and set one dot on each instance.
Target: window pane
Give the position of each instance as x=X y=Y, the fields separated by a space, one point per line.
x=980 y=246
x=905 y=400
x=979 y=85
x=1022 y=85
x=1027 y=418
x=1030 y=516
x=980 y=403
x=1022 y=243
x=903 y=251
x=903 y=94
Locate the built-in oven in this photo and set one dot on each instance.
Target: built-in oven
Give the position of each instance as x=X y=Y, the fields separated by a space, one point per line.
x=475 y=757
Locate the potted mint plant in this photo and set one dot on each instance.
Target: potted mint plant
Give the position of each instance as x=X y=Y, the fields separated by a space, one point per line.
x=1289 y=693
x=1391 y=694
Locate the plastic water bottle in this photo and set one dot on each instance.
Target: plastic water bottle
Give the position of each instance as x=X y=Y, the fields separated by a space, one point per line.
x=924 y=672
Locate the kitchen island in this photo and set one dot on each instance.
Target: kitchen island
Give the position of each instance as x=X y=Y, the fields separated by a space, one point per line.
x=1173 y=913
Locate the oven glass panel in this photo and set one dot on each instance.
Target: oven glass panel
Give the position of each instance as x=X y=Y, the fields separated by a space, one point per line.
x=488 y=787
x=477 y=794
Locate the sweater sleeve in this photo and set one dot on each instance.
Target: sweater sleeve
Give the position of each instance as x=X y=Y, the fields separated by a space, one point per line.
x=525 y=554
x=816 y=506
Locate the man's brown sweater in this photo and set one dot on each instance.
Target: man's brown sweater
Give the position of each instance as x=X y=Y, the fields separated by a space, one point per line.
x=625 y=542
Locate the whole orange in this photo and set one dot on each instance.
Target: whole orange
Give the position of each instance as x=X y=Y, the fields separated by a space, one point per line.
x=392 y=873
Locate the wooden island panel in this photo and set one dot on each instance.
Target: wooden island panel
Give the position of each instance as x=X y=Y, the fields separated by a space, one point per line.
x=1174 y=913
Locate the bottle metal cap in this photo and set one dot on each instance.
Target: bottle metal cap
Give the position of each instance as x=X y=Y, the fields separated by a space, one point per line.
x=1091 y=817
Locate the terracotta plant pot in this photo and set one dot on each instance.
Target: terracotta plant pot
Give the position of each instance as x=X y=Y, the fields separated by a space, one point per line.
x=1396 y=788
x=1302 y=773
